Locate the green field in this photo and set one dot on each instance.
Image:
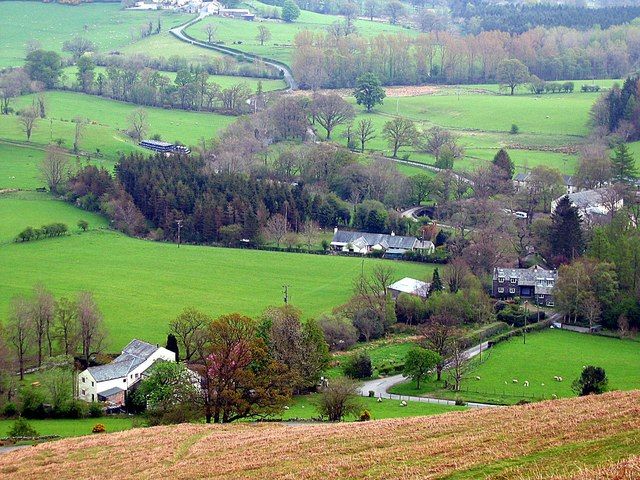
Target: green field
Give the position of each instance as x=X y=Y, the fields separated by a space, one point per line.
x=71 y=428
x=140 y=285
x=241 y=35
x=106 y=24
x=381 y=352
x=548 y=125
x=224 y=81
x=546 y=354
x=304 y=407
x=107 y=121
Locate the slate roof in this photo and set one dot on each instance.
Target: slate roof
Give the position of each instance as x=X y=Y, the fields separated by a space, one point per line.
x=411 y=286
x=524 y=177
x=382 y=239
x=526 y=276
x=133 y=355
x=586 y=198
x=569 y=181
x=521 y=177
x=110 y=392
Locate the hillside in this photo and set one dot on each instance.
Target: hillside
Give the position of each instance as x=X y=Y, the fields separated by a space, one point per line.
x=587 y=438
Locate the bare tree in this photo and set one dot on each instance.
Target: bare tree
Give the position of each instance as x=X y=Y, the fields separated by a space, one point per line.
x=65 y=326
x=399 y=132
x=455 y=274
x=365 y=132
x=92 y=331
x=138 y=124
x=439 y=335
x=331 y=110
x=12 y=84
x=458 y=363
x=43 y=310
x=339 y=399
x=190 y=329
x=210 y=30
x=437 y=141
x=20 y=330
x=264 y=35
x=54 y=168
x=78 y=133
x=276 y=228
x=28 y=119
x=591 y=308
x=310 y=232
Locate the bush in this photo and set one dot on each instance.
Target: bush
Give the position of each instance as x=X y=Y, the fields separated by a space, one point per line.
x=98 y=428
x=358 y=366
x=593 y=380
x=514 y=129
x=22 y=428
x=460 y=402
x=73 y=409
x=339 y=333
x=95 y=410
x=365 y=416
x=32 y=402
x=83 y=225
x=9 y=410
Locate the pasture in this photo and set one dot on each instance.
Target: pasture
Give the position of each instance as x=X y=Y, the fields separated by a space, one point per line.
x=71 y=428
x=241 y=35
x=106 y=122
x=547 y=354
x=51 y=24
x=141 y=285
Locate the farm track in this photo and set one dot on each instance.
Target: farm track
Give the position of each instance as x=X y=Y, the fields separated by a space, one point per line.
x=180 y=34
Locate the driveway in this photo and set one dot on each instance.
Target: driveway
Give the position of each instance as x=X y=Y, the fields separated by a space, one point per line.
x=380 y=386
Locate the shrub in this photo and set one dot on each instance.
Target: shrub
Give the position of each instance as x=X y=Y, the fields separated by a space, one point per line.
x=460 y=402
x=32 y=402
x=22 y=428
x=95 y=410
x=83 y=225
x=593 y=380
x=74 y=409
x=365 y=416
x=339 y=333
x=514 y=129
x=358 y=366
x=98 y=428
x=9 y=410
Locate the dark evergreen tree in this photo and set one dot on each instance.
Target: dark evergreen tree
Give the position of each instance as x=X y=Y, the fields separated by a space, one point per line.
x=566 y=237
x=172 y=345
x=593 y=380
x=436 y=282
x=503 y=161
x=623 y=165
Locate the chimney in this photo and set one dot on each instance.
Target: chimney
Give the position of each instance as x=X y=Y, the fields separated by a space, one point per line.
x=335 y=230
x=393 y=234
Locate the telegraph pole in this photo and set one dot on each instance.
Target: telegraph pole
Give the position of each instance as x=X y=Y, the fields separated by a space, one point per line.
x=285 y=292
x=524 y=332
x=179 y=222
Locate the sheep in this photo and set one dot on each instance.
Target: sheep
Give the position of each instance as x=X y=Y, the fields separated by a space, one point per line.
x=554 y=396
x=542 y=384
x=403 y=403
x=515 y=380
x=556 y=378
x=379 y=399
x=477 y=378
x=526 y=383
x=559 y=379
x=505 y=382
x=286 y=407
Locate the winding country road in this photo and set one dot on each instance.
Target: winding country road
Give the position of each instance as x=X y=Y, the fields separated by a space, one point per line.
x=180 y=34
x=382 y=385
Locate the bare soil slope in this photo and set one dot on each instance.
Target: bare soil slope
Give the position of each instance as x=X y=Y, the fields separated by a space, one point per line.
x=587 y=438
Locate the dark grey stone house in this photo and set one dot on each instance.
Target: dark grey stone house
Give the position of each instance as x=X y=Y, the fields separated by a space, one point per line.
x=533 y=284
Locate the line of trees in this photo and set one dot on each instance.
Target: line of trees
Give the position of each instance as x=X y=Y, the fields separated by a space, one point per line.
x=336 y=61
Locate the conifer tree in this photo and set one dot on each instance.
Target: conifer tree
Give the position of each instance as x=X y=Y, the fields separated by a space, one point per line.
x=172 y=345
x=436 y=282
x=503 y=161
x=623 y=165
x=566 y=232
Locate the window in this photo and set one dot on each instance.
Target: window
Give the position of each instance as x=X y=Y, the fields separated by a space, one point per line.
x=500 y=290
x=92 y=384
x=137 y=375
x=512 y=290
x=124 y=379
x=549 y=303
x=83 y=379
x=84 y=392
x=549 y=283
x=540 y=297
x=513 y=280
x=500 y=279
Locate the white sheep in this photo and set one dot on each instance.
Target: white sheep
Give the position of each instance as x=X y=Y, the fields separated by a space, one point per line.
x=554 y=396
x=477 y=378
x=556 y=378
x=542 y=384
x=505 y=382
x=379 y=399
x=286 y=407
x=526 y=383
x=559 y=379
x=403 y=403
x=515 y=380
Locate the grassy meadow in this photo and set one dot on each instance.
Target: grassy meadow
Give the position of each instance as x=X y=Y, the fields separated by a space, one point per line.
x=71 y=428
x=546 y=354
x=241 y=35
x=51 y=24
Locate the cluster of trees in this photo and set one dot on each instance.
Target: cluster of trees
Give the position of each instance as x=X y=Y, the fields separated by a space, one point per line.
x=518 y=18
x=617 y=112
x=336 y=61
x=46 y=231
x=244 y=368
x=191 y=89
x=40 y=326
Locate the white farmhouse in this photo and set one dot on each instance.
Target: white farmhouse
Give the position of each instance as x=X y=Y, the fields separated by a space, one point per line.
x=593 y=202
x=409 y=286
x=109 y=383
